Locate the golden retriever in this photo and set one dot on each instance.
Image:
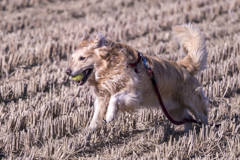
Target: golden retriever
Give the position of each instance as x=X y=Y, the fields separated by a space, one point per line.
x=117 y=87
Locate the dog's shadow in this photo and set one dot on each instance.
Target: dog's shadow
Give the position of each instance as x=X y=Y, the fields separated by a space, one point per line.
x=105 y=139
x=114 y=135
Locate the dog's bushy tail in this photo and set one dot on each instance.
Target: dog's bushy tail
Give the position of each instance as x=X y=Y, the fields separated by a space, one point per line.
x=192 y=41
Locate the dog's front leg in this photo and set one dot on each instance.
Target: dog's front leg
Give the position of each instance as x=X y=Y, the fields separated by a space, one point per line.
x=99 y=112
x=124 y=101
x=112 y=109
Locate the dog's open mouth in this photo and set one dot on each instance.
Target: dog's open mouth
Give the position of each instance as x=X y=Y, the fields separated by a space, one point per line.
x=86 y=73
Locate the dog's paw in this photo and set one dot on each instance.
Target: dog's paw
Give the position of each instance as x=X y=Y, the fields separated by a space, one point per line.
x=187 y=127
x=110 y=117
x=111 y=113
x=90 y=129
x=94 y=126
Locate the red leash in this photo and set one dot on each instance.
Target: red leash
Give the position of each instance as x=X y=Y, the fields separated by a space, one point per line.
x=152 y=77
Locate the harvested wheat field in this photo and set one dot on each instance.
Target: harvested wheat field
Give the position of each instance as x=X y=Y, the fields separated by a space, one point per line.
x=44 y=113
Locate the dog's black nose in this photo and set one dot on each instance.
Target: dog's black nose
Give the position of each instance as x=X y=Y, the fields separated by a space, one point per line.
x=68 y=72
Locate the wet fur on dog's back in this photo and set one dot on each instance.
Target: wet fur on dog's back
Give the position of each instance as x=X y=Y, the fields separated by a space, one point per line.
x=117 y=87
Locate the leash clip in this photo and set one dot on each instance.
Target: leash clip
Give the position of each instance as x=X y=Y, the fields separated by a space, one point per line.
x=144 y=60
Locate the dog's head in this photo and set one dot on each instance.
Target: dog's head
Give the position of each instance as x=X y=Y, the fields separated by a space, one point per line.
x=87 y=57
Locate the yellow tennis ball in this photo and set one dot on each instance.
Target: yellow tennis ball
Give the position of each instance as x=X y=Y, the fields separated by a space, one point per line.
x=78 y=77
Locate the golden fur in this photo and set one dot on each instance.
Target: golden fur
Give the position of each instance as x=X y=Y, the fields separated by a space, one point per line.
x=117 y=87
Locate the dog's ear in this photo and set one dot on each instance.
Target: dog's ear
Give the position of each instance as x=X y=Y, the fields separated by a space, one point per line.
x=99 y=41
x=102 y=52
x=100 y=45
x=85 y=36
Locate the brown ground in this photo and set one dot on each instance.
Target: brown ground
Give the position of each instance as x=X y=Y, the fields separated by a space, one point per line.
x=43 y=113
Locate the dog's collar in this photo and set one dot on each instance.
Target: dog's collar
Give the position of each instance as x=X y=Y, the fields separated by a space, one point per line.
x=143 y=59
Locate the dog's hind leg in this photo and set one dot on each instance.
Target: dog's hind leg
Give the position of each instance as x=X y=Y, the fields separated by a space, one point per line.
x=188 y=125
x=197 y=113
x=180 y=113
x=197 y=104
x=124 y=101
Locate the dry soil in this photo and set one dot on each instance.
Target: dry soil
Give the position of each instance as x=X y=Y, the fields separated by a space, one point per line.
x=43 y=113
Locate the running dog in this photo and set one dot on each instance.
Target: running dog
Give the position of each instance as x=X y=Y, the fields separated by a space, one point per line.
x=104 y=65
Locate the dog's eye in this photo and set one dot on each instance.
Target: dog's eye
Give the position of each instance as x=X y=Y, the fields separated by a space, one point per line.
x=81 y=58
